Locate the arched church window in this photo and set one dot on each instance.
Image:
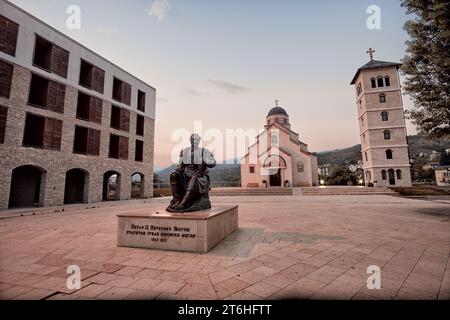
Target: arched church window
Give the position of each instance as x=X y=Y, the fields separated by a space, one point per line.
x=275 y=140
x=364 y=138
x=380 y=82
x=384 y=116
x=373 y=82
x=382 y=98
x=359 y=89
x=389 y=154
x=367 y=157
x=387 y=81
x=387 y=135
x=399 y=174
x=384 y=175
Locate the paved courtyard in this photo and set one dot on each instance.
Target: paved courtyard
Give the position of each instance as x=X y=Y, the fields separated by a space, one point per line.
x=310 y=247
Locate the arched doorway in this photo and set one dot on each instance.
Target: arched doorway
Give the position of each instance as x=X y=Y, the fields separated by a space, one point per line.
x=391 y=174
x=275 y=165
x=137 y=186
x=26 y=187
x=76 y=186
x=111 y=186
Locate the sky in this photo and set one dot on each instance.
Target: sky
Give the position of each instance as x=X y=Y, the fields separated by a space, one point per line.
x=225 y=62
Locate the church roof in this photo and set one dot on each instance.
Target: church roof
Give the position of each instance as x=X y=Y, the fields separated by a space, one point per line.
x=373 y=64
x=277 y=111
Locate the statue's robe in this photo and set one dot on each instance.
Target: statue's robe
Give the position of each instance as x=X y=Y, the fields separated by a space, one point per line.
x=195 y=164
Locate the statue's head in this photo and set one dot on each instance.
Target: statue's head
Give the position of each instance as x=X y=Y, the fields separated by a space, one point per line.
x=195 y=140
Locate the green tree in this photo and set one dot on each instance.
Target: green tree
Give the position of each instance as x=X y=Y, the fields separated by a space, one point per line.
x=445 y=158
x=341 y=176
x=427 y=65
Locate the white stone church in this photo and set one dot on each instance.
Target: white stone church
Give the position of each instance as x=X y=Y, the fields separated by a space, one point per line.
x=278 y=158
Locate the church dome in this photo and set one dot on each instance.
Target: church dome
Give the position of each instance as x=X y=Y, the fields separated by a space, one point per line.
x=277 y=111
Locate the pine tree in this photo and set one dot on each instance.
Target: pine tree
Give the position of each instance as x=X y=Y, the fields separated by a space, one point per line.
x=427 y=65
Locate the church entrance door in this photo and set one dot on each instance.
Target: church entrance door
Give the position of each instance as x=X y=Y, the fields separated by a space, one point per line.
x=275 y=179
x=391 y=177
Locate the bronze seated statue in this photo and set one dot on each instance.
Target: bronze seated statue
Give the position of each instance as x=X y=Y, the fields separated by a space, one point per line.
x=190 y=182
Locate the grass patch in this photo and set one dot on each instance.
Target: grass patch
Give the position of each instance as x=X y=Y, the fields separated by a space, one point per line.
x=422 y=191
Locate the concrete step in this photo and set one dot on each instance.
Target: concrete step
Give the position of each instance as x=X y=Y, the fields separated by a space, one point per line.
x=347 y=191
x=251 y=191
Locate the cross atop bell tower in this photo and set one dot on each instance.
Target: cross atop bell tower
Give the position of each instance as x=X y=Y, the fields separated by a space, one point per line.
x=370 y=52
x=276 y=103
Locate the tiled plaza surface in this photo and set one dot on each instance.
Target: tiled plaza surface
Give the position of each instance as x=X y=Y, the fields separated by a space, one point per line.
x=311 y=247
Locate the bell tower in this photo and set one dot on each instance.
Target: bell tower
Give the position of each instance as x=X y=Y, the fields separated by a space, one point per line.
x=385 y=151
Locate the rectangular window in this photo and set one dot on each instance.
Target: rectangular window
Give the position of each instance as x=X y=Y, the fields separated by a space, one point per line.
x=139 y=153
x=6 y=74
x=47 y=94
x=380 y=82
x=373 y=82
x=122 y=91
x=141 y=101
x=252 y=169
x=140 y=122
x=89 y=108
x=387 y=81
x=120 y=119
x=382 y=98
x=87 y=141
x=118 y=147
x=50 y=57
x=52 y=134
x=92 y=77
x=42 y=132
x=3 y=119
x=9 y=31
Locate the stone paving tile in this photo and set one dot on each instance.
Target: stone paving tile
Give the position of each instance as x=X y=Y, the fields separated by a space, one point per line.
x=221 y=275
x=191 y=268
x=278 y=281
x=297 y=271
x=198 y=291
x=102 y=278
x=142 y=295
x=170 y=275
x=115 y=293
x=170 y=287
x=14 y=292
x=148 y=273
x=128 y=271
x=262 y=289
x=145 y=284
x=122 y=281
x=197 y=278
x=229 y=287
x=92 y=290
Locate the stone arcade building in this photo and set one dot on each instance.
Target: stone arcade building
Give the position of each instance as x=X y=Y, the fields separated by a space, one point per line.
x=382 y=124
x=74 y=128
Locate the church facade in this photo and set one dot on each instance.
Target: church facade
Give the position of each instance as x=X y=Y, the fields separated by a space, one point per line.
x=278 y=158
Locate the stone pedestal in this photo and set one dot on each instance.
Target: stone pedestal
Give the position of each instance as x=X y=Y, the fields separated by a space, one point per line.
x=157 y=229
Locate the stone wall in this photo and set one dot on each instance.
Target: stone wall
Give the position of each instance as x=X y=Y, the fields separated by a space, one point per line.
x=55 y=164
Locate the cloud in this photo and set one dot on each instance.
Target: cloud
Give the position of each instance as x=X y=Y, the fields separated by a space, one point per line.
x=159 y=9
x=192 y=92
x=228 y=87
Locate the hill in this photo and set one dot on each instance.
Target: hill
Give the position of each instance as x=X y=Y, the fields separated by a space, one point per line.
x=222 y=174
x=417 y=144
x=229 y=174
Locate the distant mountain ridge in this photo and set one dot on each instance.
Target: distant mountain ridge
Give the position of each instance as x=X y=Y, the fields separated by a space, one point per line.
x=417 y=144
x=231 y=172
